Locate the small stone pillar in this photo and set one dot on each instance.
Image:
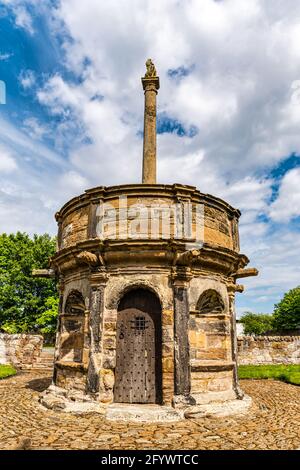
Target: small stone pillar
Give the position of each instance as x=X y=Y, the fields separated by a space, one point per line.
x=182 y=383
x=231 y=289
x=150 y=85
x=60 y=288
x=98 y=283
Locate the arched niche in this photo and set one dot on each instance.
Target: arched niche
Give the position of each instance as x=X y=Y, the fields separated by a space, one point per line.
x=210 y=301
x=72 y=323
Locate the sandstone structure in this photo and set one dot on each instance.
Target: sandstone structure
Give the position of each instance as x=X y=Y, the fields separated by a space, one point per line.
x=147 y=279
x=269 y=350
x=23 y=351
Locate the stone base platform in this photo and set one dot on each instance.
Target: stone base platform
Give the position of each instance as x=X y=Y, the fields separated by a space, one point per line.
x=58 y=399
x=142 y=413
x=55 y=400
x=219 y=409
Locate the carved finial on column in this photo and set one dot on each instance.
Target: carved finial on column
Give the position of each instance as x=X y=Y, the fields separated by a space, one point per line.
x=150 y=85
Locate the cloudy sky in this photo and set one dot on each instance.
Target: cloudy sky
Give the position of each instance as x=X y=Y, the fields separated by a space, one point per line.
x=228 y=122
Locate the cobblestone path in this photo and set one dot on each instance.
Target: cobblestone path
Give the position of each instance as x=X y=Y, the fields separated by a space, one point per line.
x=273 y=422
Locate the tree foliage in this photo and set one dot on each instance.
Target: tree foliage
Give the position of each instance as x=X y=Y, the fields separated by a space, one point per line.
x=48 y=319
x=286 y=316
x=256 y=323
x=287 y=311
x=24 y=300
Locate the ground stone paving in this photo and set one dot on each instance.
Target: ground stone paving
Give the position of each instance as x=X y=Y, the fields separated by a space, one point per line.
x=273 y=422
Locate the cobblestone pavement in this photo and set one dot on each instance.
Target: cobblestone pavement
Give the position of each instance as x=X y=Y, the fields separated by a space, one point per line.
x=273 y=422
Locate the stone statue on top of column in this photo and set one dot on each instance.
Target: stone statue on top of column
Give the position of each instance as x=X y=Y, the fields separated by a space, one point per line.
x=151 y=70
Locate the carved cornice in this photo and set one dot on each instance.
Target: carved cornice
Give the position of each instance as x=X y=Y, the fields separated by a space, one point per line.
x=77 y=255
x=148 y=253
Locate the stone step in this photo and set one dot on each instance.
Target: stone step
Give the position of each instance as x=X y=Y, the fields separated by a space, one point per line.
x=45 y=361
x=46 y=364
x=142 y=413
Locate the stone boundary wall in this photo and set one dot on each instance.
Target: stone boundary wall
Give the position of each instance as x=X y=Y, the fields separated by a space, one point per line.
x=269 y=349
x=22 y=351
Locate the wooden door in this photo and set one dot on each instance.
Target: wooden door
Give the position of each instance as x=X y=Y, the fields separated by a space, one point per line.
x=138 y=363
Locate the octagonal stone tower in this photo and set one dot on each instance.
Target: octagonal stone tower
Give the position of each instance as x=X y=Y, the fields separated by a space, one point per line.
x=147 y=280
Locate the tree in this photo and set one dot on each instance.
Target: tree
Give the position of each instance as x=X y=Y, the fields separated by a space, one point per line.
x=23 y=299
x=256 y=323
x=48 y=319
x=287 y=311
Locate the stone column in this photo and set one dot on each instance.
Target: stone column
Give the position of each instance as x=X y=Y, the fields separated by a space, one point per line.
x=98 y=282
x=181 y=342
x=150 y=86
x=60 y=288
x=231 y=288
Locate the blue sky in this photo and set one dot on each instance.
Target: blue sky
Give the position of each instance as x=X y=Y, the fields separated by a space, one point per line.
x=229 y=113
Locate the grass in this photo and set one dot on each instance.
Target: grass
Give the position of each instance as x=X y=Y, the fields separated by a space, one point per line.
x=6 y=371
x=286 y=373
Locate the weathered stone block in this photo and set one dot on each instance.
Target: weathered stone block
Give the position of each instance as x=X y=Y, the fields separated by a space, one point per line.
x=167 y=364
x=219 y=384
x=107 y=378
x=21 y=350
x=167 y=317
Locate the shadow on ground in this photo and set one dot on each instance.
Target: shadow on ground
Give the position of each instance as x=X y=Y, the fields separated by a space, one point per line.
x=39 y=385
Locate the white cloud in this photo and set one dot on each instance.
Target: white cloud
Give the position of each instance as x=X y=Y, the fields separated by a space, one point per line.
x=25 y=148
x=7 y=162
x=242 y=95
x=34 y=128
x=27 y=79
x=238 y=94
x=5 y=56
x=23 y=18
x=287 y=204
x=277 y=258
x=71 y=183
x=29 y=171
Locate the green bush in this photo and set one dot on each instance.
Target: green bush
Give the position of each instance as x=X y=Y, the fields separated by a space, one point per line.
x=256 y=323
x=6 y=370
